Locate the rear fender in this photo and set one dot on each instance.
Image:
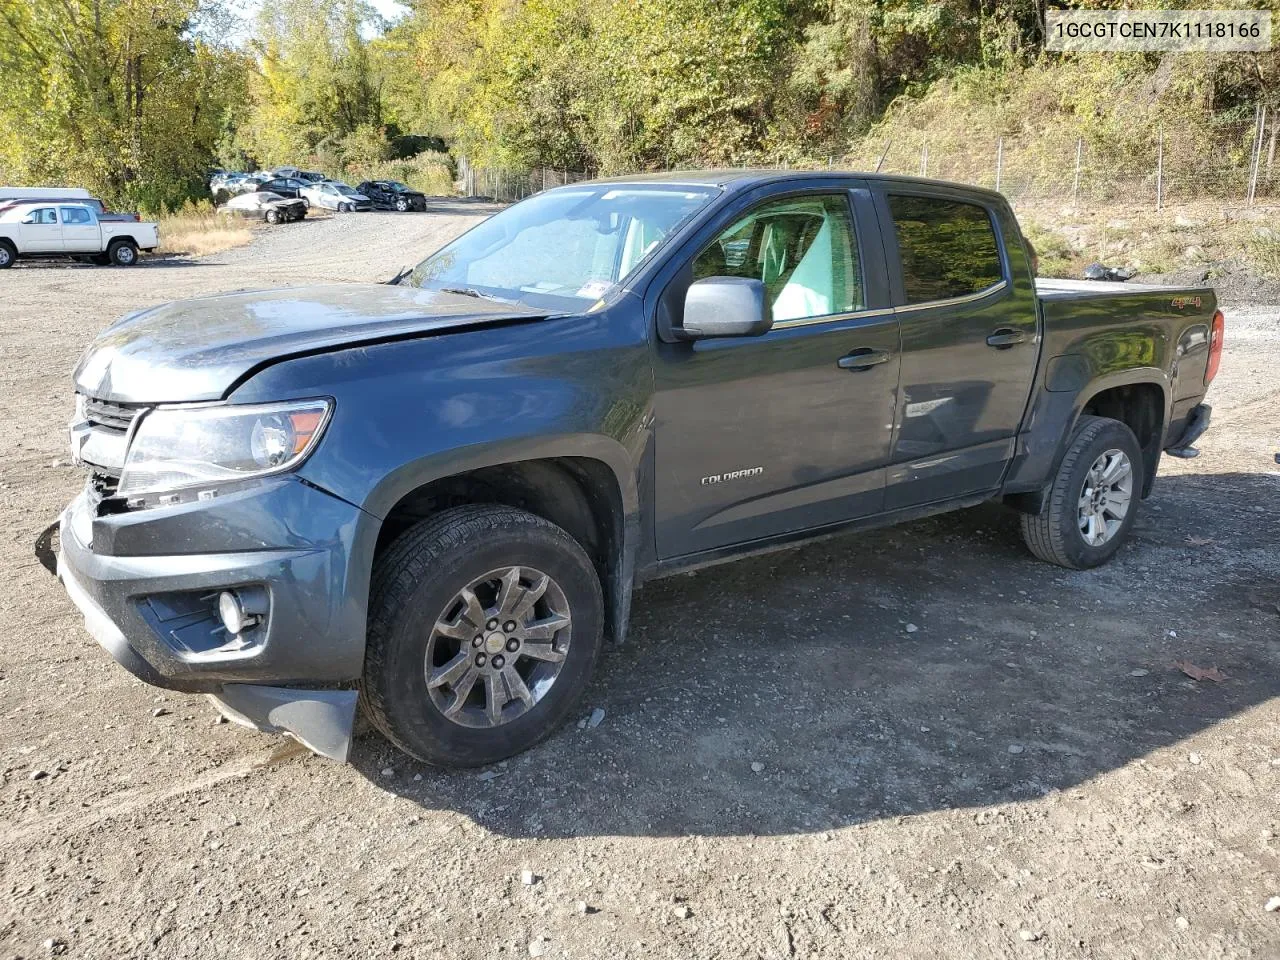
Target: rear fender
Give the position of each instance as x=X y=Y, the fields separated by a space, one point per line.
x=1052 y=419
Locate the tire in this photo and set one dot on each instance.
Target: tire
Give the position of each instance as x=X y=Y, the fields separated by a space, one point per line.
x=7 y=255
x=402 y=204
x=123 y=253
x=418 y=587
x=1059 y=533
x=273 y=216
x=344 y=208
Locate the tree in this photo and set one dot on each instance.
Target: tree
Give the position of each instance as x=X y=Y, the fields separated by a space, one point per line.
x=122 y=96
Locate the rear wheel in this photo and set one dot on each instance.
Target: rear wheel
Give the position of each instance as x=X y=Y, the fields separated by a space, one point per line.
x=1093 y=499
x=485 y=623
x=123 y=253
x=7 y=254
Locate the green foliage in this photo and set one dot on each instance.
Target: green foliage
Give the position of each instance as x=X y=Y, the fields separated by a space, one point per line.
x=121 y=96
x=432 y=173
x=137 y=98
x=315 y=85
x=1264 y=249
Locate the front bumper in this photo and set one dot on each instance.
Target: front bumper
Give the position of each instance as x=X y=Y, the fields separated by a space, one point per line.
x=146 y=583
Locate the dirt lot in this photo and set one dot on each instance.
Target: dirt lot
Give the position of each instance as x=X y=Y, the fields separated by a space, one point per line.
x=911 y=743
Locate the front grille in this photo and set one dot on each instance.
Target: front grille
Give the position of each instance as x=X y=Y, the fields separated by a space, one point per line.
x=103 y=485
x=113 y=416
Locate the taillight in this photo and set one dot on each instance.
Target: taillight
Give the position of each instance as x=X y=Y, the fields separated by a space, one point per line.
x=1215 y=346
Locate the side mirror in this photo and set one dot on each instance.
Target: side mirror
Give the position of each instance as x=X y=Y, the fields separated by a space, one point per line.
x=725 y=307
x=29 y=218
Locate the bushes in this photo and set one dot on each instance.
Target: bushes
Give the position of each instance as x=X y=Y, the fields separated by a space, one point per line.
x=431 y=172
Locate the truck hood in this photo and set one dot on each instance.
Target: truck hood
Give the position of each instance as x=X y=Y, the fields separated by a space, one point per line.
x=198 y=349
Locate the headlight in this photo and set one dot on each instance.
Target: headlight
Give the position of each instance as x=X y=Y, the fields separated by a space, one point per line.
x=194 y=446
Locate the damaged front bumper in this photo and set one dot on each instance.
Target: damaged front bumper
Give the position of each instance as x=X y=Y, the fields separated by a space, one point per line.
x=154 y=608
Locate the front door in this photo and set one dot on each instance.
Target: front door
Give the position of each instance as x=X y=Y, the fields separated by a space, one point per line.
x=40 y=232
x=763 y=436
x=969 y=346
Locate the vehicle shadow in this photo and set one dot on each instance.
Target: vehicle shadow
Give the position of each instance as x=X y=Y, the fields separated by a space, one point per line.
x=145 y=262
x=895 y=672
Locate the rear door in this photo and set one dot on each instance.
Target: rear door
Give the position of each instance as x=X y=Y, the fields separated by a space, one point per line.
x=80 y=232
x=40 y=232
x=760 y=437
x=969 y=343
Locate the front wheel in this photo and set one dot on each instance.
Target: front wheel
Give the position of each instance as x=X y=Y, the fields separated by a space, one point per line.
x=344 y=208
x=485 y=623
x=402 y=204
x=123 y=253
x=1093 y=499
x=273 y=216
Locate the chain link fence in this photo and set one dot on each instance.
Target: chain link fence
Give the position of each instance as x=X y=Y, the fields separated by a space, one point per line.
x=1233 y=161
x=511 y=185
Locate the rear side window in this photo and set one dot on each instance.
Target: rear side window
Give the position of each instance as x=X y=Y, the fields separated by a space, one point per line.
x=948 y=248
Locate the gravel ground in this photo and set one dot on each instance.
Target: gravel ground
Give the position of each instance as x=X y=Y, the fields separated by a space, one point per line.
x=917 y=742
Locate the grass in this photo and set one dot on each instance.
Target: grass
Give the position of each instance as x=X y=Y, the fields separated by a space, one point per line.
x=1179 y=237
x=196 y=230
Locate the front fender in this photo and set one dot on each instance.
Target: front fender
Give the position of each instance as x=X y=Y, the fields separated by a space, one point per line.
x=414 y=411
x=420 y=471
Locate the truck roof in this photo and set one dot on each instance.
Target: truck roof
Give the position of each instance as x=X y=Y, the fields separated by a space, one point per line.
x=745 y=179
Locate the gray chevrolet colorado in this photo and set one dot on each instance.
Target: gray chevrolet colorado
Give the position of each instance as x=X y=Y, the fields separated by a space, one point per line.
x=436 y=496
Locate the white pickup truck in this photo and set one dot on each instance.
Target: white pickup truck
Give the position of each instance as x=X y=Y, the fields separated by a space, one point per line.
x=59 y=229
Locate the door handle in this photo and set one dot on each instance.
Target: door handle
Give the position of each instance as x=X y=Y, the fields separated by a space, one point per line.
x=1004 y=338
x=864 y=358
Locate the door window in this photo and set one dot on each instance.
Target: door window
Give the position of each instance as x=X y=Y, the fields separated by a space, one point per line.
x=947 y=247
x=74 y=215
x=45 y=215
x=801 y=248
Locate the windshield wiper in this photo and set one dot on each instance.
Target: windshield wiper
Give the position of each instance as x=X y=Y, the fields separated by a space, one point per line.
x=404 y=272
x=467 y=292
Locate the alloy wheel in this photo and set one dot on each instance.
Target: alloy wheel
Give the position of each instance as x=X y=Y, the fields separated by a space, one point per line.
x=497 y=647
x=1106 y=497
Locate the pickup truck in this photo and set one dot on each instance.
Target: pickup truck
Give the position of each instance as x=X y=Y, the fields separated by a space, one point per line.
x=436 y=496
x=48 y=228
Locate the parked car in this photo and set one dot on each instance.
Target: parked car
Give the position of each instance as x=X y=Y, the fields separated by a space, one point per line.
x=264 y=205
x=438 y=496
x=332 y=195
x=311 y=176
x=392 y=195
x=71 y=230
x=251 y=182
x=290 y=187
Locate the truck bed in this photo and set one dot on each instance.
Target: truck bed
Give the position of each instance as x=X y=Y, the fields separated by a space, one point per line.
x=1054 y=289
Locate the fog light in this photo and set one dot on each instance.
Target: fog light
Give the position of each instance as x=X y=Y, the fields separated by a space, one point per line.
x=235 y=618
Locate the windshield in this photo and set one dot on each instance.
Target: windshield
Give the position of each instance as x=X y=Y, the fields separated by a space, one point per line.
x=564 y=249
x=347 y=191
x=396 y=187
